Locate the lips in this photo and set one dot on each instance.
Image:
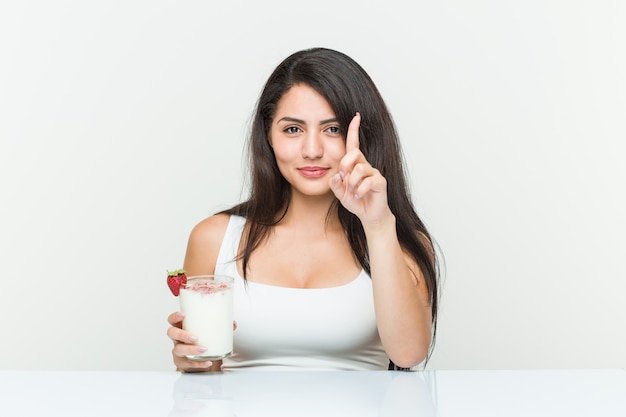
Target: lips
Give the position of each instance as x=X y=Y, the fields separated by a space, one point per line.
x=313 y=171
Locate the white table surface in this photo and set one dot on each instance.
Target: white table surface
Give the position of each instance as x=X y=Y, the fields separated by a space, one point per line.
x=569 y=393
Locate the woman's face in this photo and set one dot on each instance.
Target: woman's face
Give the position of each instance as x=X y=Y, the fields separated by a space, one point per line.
x=307 y=141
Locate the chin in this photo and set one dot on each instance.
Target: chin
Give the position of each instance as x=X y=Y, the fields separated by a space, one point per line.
x=311 y=192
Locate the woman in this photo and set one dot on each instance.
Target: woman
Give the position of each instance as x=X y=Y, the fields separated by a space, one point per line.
x=334 y=269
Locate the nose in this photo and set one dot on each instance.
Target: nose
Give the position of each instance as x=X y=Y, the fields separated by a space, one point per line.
x=312 y=146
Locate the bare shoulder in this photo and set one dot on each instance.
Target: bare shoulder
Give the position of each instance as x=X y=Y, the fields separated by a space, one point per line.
x=428 y=245
x=204 y=244
x=418 y=276
x=211 y=229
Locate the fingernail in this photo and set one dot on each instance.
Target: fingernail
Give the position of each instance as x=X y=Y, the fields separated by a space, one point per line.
x=342 y=175
x=192 y=339
x=336 y=178
x=201 y=349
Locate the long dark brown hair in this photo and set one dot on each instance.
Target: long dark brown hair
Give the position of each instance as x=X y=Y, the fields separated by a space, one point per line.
x=347 y=88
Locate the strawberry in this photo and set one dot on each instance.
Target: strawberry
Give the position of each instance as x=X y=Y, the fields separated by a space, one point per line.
x=175 y=279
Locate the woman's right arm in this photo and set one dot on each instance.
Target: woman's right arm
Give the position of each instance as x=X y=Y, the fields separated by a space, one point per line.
x=201 y=256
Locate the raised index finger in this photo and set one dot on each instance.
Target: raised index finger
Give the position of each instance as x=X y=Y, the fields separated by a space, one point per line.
x=352 y=138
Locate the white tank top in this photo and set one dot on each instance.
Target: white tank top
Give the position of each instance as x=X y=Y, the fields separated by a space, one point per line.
x=280 y=328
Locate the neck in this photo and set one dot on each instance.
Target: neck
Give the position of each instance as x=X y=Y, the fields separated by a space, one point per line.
x=311 y=212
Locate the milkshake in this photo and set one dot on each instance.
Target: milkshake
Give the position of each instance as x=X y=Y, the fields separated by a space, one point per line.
x=207 y=301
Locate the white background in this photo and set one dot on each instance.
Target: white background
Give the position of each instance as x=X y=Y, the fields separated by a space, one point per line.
x=122 y=124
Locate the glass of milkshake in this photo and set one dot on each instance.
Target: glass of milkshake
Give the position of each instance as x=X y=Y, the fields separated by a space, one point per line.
x=207 y=301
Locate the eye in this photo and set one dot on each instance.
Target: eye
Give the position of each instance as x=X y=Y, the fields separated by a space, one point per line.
x=292 y=130
x=333 y=130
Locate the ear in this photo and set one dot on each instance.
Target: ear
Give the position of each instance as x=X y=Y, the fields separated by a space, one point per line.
x=269 y=141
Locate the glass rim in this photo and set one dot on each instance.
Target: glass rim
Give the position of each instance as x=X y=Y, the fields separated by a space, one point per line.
x=211 y=277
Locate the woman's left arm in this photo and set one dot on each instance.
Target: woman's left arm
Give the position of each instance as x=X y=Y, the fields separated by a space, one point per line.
x=401 y=299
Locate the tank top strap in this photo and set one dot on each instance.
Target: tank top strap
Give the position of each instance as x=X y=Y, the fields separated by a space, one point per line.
x=230 y=244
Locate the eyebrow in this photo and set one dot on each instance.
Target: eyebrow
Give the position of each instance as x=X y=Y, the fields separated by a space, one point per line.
x=294 y=120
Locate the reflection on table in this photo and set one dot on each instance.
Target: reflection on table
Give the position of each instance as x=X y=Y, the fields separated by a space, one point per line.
x=304 y=394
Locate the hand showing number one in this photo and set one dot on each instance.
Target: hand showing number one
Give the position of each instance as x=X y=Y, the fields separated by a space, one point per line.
x=359 y=186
